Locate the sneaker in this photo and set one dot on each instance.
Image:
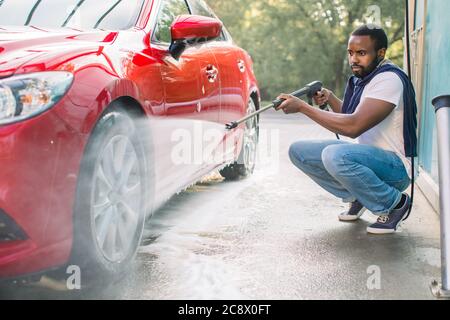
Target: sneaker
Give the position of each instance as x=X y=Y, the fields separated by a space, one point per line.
x=389 y=223
x=355 y=211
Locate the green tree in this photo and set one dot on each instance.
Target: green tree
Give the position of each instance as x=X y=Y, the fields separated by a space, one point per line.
x=294 y=42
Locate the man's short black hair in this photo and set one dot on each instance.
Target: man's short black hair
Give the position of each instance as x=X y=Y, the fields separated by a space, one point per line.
x=375 y=32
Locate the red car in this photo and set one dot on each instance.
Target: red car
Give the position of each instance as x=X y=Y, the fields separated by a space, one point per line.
x=107 y=109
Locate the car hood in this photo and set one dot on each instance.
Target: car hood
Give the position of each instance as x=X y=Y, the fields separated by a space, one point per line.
x=21 y=45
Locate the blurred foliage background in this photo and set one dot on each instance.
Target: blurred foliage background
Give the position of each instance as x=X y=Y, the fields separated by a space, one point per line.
x=294 y=42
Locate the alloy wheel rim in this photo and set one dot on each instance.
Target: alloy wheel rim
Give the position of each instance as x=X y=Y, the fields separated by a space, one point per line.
x=116 y=198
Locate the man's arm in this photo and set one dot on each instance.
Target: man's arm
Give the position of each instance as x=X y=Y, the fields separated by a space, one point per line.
x=368 y=114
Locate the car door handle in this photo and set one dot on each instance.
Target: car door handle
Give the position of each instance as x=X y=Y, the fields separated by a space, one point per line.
x=211 y=73
x=241 y=66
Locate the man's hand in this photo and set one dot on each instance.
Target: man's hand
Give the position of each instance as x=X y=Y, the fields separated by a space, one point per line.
x=292 y=104
x=322 y=97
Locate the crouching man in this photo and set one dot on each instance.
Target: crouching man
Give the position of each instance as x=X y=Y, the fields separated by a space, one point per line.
x=379 y=109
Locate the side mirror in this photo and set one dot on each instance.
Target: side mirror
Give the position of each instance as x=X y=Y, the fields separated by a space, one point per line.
x=191 y=29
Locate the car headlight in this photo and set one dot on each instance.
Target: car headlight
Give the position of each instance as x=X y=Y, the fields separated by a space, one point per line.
x=26 y=96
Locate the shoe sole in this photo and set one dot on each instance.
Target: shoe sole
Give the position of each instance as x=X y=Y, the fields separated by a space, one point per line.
x=349 y=218
x=380 y=231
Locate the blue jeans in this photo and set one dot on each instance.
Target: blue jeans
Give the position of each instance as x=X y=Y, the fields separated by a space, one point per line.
x=373 y=176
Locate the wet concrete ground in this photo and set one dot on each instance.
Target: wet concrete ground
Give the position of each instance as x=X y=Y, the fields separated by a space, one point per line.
x=274 y=235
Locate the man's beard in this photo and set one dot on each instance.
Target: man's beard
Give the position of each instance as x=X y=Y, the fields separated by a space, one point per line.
x=361 y=73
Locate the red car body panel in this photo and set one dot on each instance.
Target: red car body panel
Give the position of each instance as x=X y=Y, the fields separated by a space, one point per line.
x=40 y=157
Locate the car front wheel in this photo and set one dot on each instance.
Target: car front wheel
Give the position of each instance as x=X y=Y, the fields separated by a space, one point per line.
x=110 y=204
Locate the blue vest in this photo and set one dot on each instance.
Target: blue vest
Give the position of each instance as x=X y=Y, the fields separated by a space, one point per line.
x=354 y=90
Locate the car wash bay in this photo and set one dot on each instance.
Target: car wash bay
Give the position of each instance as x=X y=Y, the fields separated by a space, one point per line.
x=273 y=236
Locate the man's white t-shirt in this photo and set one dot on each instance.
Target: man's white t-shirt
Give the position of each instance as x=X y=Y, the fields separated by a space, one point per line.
x=388 y=134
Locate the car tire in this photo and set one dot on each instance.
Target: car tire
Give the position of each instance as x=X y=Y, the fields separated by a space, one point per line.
x=111 y=202
x=245 y=164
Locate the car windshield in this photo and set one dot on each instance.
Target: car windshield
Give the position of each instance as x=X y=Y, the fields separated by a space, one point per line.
x=76 y=14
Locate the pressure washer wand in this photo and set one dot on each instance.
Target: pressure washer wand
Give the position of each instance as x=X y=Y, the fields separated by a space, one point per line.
x=309 y=90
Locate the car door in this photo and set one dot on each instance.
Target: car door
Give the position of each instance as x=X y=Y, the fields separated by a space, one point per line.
x=192 y=87
x=181 y=78
x=191 y=100
x=232 y=79
x=230 y=67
